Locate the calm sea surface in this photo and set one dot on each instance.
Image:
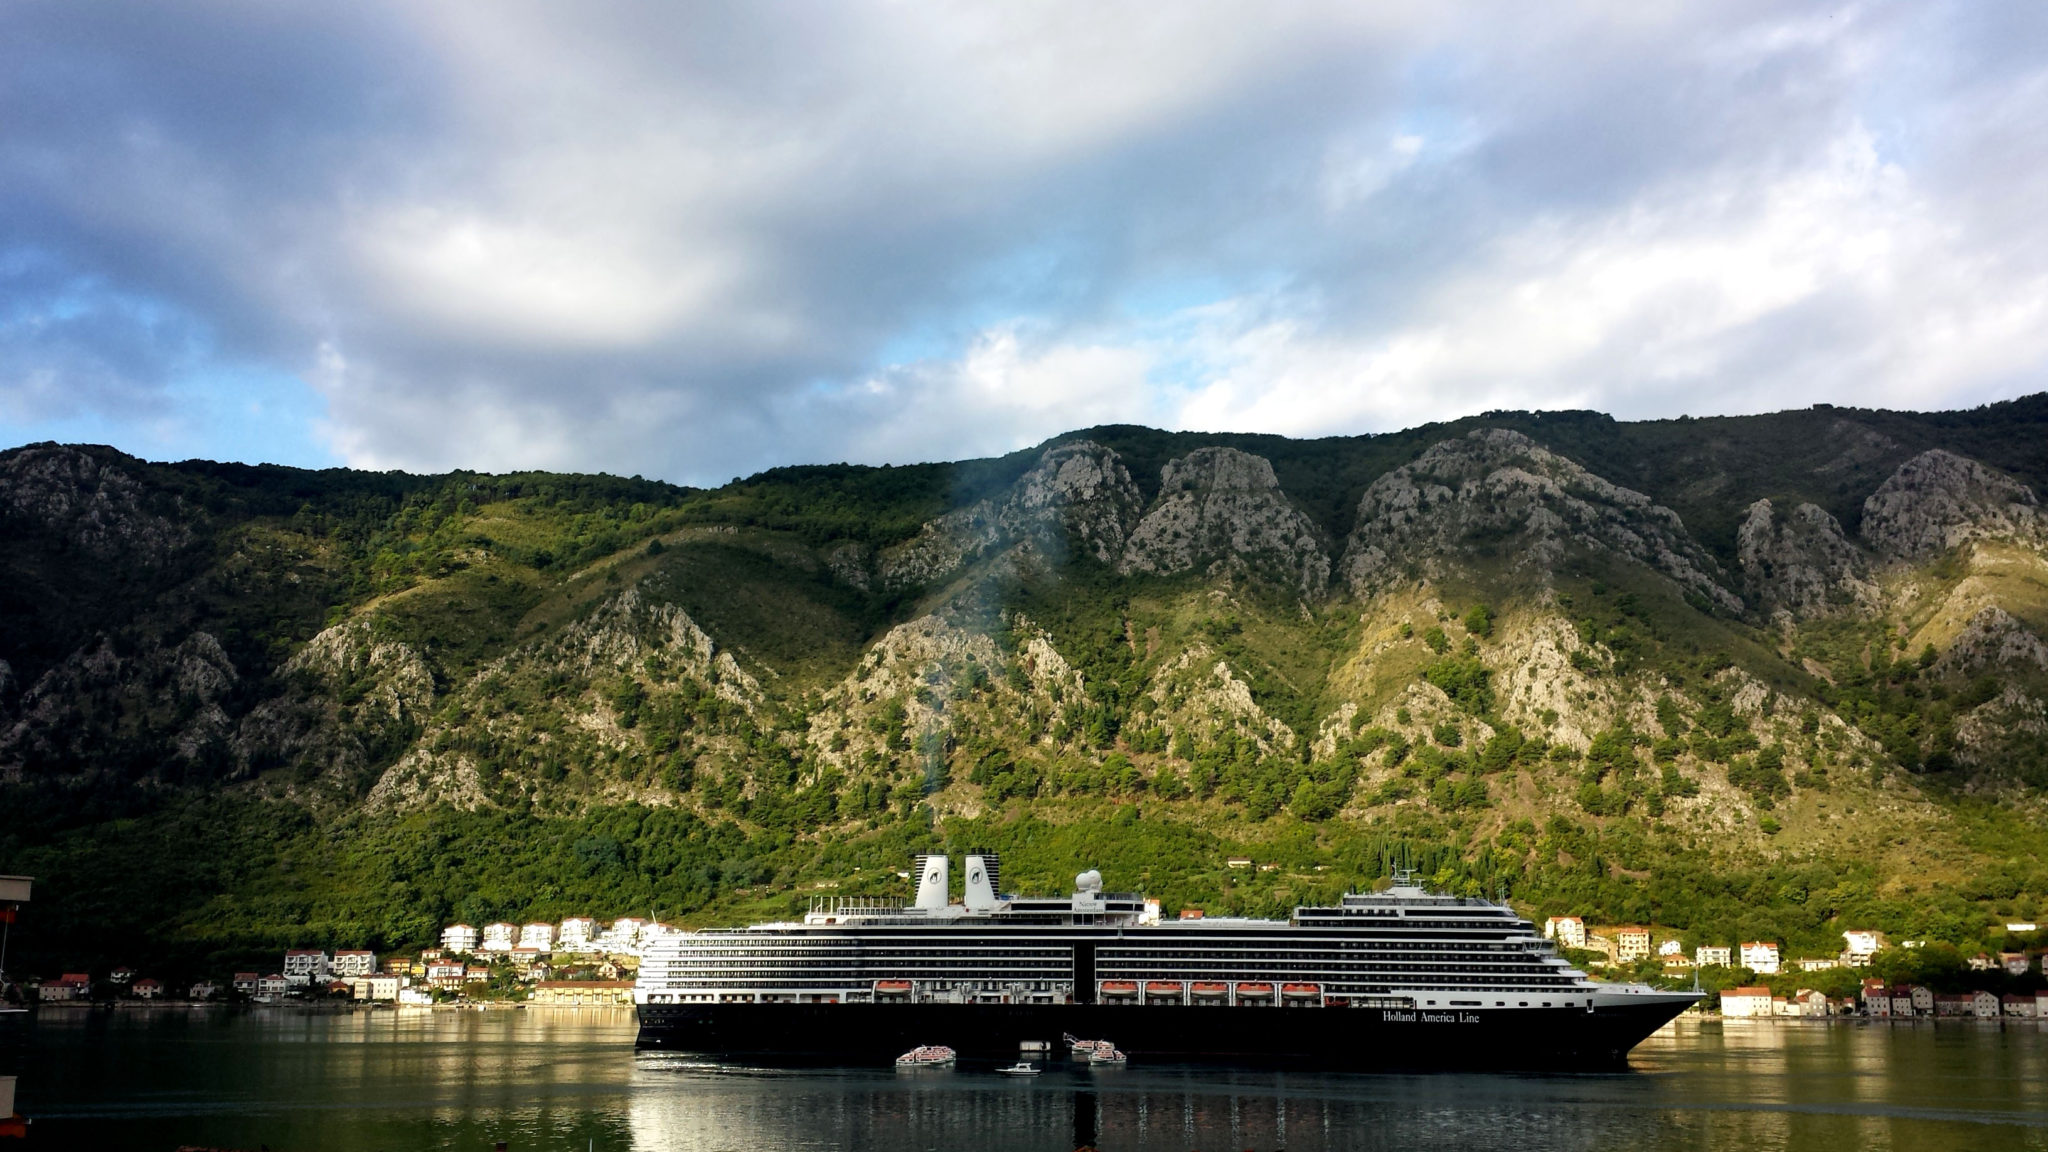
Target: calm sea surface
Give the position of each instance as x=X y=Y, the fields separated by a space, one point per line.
x=300 y=1081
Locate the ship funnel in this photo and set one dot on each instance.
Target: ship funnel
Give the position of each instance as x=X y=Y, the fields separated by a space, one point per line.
x=981 y=883
x=931 y=883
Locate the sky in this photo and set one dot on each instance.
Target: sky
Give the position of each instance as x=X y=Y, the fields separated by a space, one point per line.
x=694 y=240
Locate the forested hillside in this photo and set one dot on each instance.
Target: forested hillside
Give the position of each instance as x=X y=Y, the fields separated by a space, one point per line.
x=1764 y=677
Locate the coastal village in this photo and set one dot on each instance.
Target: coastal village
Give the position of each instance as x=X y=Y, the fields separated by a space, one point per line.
x=582 y=962
x=576 y=963
x=1637 y=949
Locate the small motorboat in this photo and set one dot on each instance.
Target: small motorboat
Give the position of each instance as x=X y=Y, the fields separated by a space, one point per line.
x=1020 y=1068
x=928 y=1056
x=1085 y=1050
x=1108 y=1058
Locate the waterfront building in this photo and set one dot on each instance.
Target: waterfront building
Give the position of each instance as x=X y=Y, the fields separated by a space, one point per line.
x=1760 y=957
x=459 y=938
x=204 y=990
x=2021 y=1007
x=1568 y=931
x=354 y=962
x=1984 y=1005
x=148 y=988
x=375 y=988
x=1747 y=1001
x=582 y=993
x=245 y=983
x=272 y=986
x=445 y=974
x=1954 y=1004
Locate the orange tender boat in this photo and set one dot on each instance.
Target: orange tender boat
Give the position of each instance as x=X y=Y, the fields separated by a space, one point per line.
x=1301 y=991
x=1119 y=988
x=1215 y=991
x=1255 y=991
x=1165 y=988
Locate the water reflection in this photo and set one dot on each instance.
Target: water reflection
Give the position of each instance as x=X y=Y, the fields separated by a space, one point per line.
x=540 y=1079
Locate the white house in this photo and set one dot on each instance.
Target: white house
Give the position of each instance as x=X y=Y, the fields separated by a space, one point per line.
x=1568 y=931
x=303 y=966
x=1710 y=956
x=204 y=990
x=1760 y=957
x=500 y=937
x=1984 y=1005
x=1749 y=1000
x=354 y=962
x=274 y=984
x=1670 y=948
x=459 y=938
x=1817 y=963
x=539 y=937
x=2014 y=963
x=445 y=973
x=578 y=934
x=1860 y=944
x=379 y=987
x=622 y=936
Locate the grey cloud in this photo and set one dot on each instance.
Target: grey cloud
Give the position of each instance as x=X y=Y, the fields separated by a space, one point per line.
x=678 y=239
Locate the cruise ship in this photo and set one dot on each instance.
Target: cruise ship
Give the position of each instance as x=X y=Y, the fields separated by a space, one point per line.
x=1398 y=978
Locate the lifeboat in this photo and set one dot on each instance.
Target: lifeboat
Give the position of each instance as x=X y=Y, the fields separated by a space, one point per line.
x=1203 y=991
x=1254 y=991
x=1119 y=988
x=1301 y=991
x=892 y=987
x=1165 y=988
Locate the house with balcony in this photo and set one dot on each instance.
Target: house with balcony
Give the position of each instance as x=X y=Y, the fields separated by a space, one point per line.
x=1713 y=956
x=306 y=966
x=460 y=939
x=1860 y=944
x=578 y=934
x=354 y=962
x=1631 y=944
x=500 y=937
x=538 y=937
x=1760 y=957
x=1568 y=931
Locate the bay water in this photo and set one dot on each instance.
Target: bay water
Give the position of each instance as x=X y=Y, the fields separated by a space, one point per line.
x=298 y=1080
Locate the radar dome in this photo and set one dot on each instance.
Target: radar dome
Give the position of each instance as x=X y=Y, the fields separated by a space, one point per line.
x=1089 y=881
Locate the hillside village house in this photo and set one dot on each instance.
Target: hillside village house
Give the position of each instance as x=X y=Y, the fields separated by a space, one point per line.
x=204 y=990
x=1859 y=945
x=2020 y=1007
x=305 y=965
x=1746 y=1001
x=539 y=937
x=1760 y=957
x=148 y=989
x=121 y=976
x=459 y=938
x=1670 y=948
x=2014 y=963
x=445 y=974
x=1709 y=956
x=273 y=985
x=354 y=962
x=578 y=934
x=1982 y=962
x=245 y=983
x=1631 y=944
x=500 y=937
x=622 y=936
x=1817 y=963
x=1568 y=931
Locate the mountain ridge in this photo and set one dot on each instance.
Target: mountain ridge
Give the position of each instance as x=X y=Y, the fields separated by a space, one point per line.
x=1506 y=640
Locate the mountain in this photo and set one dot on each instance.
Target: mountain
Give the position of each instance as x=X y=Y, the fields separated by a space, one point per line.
x=1766 y=676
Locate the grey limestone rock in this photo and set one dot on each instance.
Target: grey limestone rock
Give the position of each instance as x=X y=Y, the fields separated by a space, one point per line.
x=1801 y=562
x=1222 y=508
x=1938 y=500
x=1078 y=500
x=98 y=508
x=1498 y=491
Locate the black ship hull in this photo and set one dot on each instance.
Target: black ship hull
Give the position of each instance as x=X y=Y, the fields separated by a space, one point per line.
x=1556 y=1039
